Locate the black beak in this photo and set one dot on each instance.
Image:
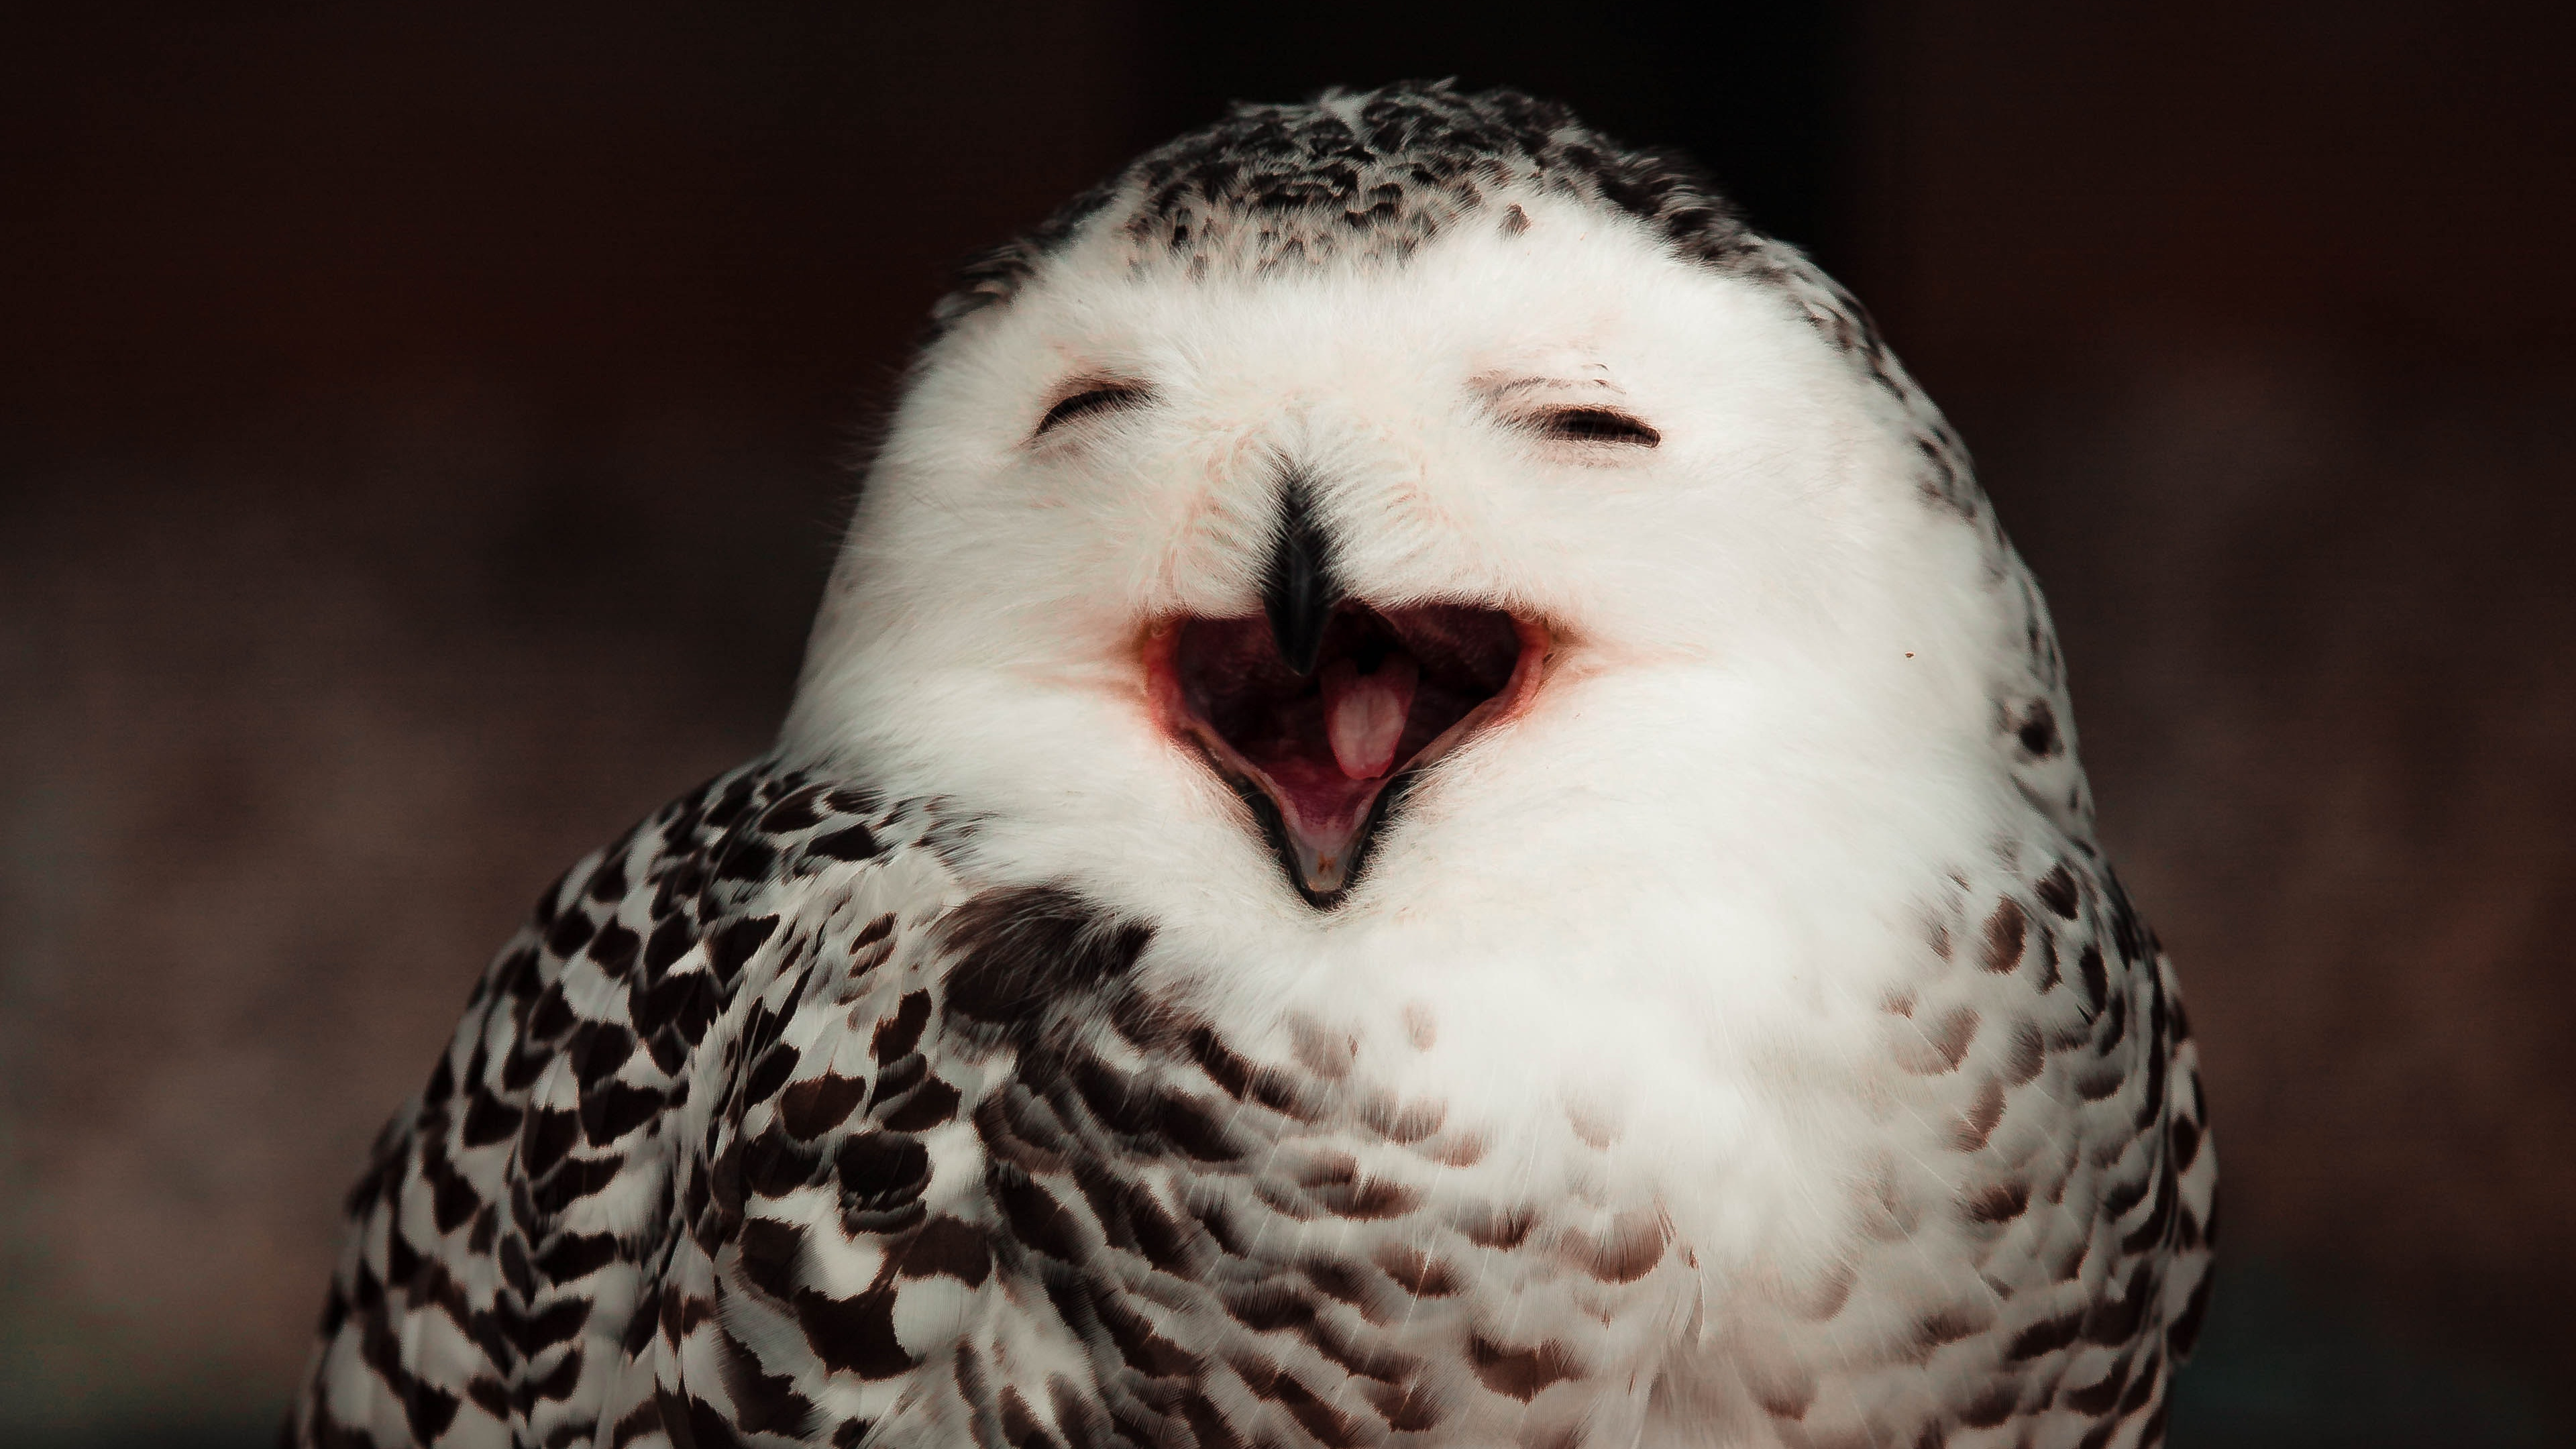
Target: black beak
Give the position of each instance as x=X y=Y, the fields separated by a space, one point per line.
x=1300 y=593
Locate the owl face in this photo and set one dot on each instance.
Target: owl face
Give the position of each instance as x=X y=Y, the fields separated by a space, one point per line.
x=1288 y=583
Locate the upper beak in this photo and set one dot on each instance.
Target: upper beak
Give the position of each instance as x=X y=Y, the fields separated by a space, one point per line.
x=1300 y=592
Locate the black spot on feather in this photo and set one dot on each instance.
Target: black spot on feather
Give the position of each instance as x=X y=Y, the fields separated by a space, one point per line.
x=1023 y=948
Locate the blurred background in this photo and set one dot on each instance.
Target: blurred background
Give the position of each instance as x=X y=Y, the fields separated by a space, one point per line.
x=420 y=446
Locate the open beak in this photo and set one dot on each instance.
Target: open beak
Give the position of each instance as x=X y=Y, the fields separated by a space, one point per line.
x=1323 y=710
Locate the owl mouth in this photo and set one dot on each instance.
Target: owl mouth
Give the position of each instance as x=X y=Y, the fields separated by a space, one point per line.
x=1322 y=755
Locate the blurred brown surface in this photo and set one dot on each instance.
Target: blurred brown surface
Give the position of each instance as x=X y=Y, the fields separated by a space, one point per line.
x=2324 y=641
x=418 y=431
x=2260 y=322
x=286 y=765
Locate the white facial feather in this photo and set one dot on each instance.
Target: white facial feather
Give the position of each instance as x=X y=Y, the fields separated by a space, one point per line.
x=1766 y=726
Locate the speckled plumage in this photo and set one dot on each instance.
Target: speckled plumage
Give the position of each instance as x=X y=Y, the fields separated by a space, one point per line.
x=895 y=1090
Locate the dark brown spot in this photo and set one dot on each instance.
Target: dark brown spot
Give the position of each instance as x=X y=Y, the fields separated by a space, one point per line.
x=1492 y=1228
x=1407 y=1409
x=599 y=1049
x=612 y=1111
x=1020 y=1428
x=1786 y=1398
x=1330 y=1427
x=1084 y=1425
x=794 y=812
x=1941 y=1047
x=1998 y=1204
x=1209 y=1425
x=929 y=1105
x=763 y=1403
x=615 y=949
x=2116 y=1320
x=1329 y=1169
x=851 y=842
x=770 y=1251
x=570 y=933
x=946 y=1247
x=430 y=1410
x=1038 y=1221
x=2088 y=971
x=899 y=1034
x=854 y=1335
x=2113 y=1027
x=1978 y=1125
x=1023 y=948
x=1947 y=1325
x=774 y=1164
x=2026 y=1055
x=488 y=1119
x=1464 y=1150
x=1145 y=1350
x=879 y=1169
x=1341 y=1282
x=1020 y=1128
x=816 y=1105
x=2038 y=731
x=2100 y=1081
x=1119 y=1101
x=1367 y=1199
x=1992 y=1406
x=1160 y=1236
x=1267 y=1307
x=1521 y=1373
x=2150 y=1233
x=1418 y=1273
x=2004 y=932
x=899 y=1077
x=575 y=1256
x=2056 y=890
x=2095 y=1399
x=1327 y=1054
x=571 y=1183
x=1195 y=1130
x=1408 y=1124
x=2048 y=975
x=733 y=946
x=1631 y=1247
x=2046 y=1336
x=770 y=1073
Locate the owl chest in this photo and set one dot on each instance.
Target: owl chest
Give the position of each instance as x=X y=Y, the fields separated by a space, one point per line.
x=1311 y=1257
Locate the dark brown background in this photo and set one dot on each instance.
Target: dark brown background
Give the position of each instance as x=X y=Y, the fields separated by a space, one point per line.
x=418 y=430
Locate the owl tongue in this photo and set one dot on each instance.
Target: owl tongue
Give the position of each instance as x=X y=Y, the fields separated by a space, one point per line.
x=1364 y=714
x=1388 y=692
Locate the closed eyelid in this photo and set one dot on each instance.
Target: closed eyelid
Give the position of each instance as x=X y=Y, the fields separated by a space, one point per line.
x=1581 y=423
x=1088 y=396
x=1587 y=410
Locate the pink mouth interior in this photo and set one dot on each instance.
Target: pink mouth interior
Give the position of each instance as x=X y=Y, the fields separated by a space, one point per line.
x=1391 y=690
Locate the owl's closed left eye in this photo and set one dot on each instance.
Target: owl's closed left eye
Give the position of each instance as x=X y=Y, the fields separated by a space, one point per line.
x=1092 y=399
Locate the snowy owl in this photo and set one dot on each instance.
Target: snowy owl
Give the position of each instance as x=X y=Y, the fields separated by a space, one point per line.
x=1426 y=809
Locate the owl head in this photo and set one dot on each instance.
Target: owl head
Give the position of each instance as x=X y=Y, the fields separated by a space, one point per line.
x=1411 y=505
